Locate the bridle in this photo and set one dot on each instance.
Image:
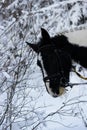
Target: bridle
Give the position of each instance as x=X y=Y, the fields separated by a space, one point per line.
x=57 y=75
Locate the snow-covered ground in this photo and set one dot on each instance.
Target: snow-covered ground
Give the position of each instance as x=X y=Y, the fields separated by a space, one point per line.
x=25 y=103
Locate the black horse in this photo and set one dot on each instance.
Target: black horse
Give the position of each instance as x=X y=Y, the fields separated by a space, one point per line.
x=54 y=57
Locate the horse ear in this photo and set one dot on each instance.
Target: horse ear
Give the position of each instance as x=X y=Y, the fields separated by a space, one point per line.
x=45 y=35
x=33 y=46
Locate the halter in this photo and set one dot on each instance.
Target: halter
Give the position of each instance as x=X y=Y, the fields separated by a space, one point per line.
x=47 y=79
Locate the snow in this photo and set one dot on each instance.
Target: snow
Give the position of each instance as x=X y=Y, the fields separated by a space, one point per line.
x=21 y=79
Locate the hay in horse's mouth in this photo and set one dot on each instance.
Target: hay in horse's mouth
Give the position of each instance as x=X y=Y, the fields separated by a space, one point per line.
x=62 y=90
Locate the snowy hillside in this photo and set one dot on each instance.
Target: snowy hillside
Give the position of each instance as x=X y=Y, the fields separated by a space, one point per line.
x=25 y=103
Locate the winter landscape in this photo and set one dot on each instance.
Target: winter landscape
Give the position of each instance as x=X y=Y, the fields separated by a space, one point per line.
x=24 y=101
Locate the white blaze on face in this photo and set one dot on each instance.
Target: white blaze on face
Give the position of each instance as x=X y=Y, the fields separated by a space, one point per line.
x=45 y=75
x=40 y=59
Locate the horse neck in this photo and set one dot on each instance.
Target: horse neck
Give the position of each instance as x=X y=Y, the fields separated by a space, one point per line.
x=73 y=50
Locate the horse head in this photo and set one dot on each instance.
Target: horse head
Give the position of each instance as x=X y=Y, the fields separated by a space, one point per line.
x=54 y=63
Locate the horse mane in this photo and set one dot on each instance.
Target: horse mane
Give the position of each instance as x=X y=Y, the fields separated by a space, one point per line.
x=59 y=40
